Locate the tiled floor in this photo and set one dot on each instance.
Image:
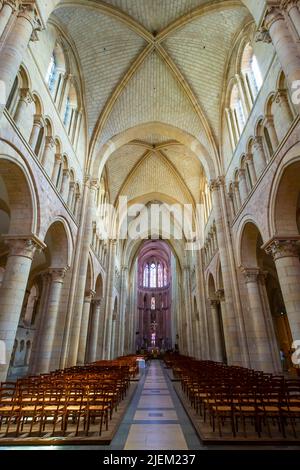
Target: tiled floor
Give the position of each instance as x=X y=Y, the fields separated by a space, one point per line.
x=155 y=422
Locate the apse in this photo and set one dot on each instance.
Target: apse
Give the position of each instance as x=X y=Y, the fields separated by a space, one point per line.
x=154 y=280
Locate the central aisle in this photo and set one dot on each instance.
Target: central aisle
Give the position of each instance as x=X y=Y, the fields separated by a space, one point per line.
x=155 y=418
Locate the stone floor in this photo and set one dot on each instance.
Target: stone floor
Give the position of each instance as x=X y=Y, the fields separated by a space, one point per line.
x=156 y=420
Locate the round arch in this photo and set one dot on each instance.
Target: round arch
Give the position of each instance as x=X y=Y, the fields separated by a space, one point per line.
x=284 y=195
x=21 y=193
x=57 y=242
x=66 y=228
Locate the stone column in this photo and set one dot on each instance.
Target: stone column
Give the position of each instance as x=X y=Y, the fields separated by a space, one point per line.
x=85 y=249
x=76 y=205
x=25 y=99
x=49 y=327
x=187 y=307
x=243 y=185
x=285 y=253
x=48 y=154
x=66 y=82
x=231 y=331
x=57 y=163
x=237 y=195
x=8 y=8
x=21 y=252
x=293 y=12
x=123 y=299
x=281 y=99
x=65 y=183
x=243 y=95
x=37 y=126
x=249 y=161
x=258 y=340
x=94 y=331
x=269 y=124
x=222 y=321
x=84 y=327
x=231 y=128
x=71 y=193
x=109 y=300
x=46 y=282
x=216 y=330
x=15 y=45
x=231 y=203
x=260 y=161
x=275 y=29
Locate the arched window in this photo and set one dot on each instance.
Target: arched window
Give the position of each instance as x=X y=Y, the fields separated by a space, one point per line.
x=52 y=73
x=237 y=110
x=251 y=71
x=55 y=72
x=152 y=302
x=160 y=280
x=165 y=276
x=146 y=275
x=152 y=275
x=67 y=112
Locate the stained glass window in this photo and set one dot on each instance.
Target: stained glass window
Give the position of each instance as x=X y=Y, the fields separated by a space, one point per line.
x=152 y=275
x=160 y=275
x=51 y=73
x=146 y=276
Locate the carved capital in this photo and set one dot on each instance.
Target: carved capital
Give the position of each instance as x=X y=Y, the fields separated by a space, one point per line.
x=38 y=120
x=14 y=4
x=262 y=35
x=248 y=158
x=97 y=303
x=28 y=11
x=49 y=142
x=288 y=4
x=58 y=274
x=220 y=294
x=242 y=173
x=283 y=247
x=89 y=295
x=281 y=97
x=251 y=274
x=258 y=142
x=214 y=185
x=24 y=246
x=272 y=15
x=26 y=96
x=213 y=303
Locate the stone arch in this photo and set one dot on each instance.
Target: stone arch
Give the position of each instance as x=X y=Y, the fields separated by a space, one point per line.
x=285 y=218
x=211 y=286
x=89 y=282
x=58 y=249
x=99 y=287
x=20 y=195
x=249 y=237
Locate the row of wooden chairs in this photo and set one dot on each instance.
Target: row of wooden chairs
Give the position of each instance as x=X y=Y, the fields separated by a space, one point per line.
x=238 y=397
x=70 y=399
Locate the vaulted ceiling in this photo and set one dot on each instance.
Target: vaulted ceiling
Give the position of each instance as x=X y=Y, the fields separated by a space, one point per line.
x=153 y=60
